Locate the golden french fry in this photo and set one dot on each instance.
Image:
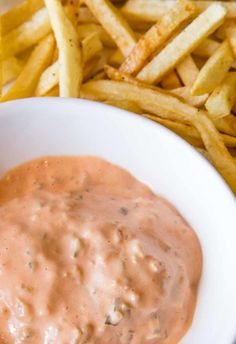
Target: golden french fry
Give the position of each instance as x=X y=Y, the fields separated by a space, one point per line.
x=11 y=68
x=91 y=46
x=189 y=131
x=125 y=104
x=183 y=44
x=116 y=58
x=114 y=23
x=139 y=10
x=26 y=82
x=85 y=16
x=27 y=34
x=169 y=107
x=86 y=29
x=187 y=71
x=206 y=48
x=70 y=59
x=153 y=100
x=170 y=81
x=218 y=153
x=222 y=99
x=53 y=93
x=155 y=37
x=19 y=14
x=231 y=35
x=184 y=93
x=226 y=125
x=49 y=79
x=214 y=71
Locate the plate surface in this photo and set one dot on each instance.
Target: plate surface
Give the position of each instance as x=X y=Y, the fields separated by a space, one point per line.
x=38 y=127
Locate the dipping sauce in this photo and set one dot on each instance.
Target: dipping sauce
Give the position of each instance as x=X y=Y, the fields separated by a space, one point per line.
x=88 y=254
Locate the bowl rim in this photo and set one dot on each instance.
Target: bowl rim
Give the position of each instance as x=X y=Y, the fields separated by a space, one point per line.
x=34 y=102
x=138 y=117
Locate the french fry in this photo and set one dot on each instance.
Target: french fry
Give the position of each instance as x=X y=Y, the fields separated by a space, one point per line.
x=189 y=131
x=26 y=82
x=91 y=46
x=19 y=14
x=184 y=93
x=53 y=93
x=116 y=59
x=214 y=71
x=155 y=37
x=231 y=35
x=27 y=34
x=170 y=81
x=113 y=22
x=166 y=106
x=49 y=79
x=226 y=125
x=70 y=59
x=139 y=10
x=11 y=68
x=125 y=104
x=183 y=44
x=85 y=16
x=187 y=71
x=86 y=29
x=222 y=99
x=149 y=100
x=207 y=48
x=218 y=153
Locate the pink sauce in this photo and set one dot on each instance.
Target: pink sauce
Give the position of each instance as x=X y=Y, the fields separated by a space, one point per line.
x=90 y=255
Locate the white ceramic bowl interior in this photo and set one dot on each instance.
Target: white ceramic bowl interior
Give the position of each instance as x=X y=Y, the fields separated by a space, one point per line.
x=38 y=127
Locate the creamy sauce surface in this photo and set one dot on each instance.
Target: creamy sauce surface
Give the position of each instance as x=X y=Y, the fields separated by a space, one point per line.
x=88 y=254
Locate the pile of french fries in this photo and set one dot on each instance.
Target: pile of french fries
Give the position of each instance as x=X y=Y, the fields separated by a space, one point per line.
x=173 y=62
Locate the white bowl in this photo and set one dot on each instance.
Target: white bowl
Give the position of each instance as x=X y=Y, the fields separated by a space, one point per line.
x=37 y=127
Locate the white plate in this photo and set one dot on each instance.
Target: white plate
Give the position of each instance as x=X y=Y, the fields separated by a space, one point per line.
x=36 y=127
